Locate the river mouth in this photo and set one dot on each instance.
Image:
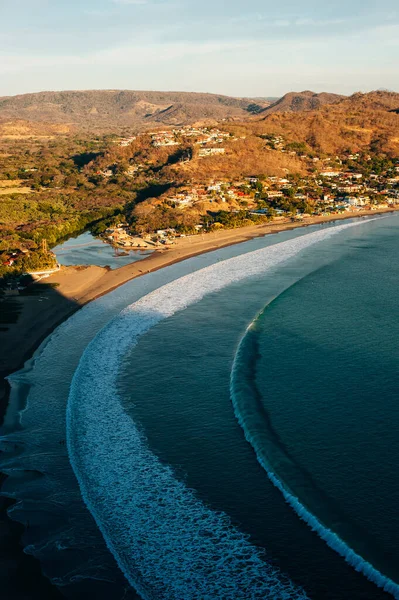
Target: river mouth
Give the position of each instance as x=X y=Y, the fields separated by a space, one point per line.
x=86 y=249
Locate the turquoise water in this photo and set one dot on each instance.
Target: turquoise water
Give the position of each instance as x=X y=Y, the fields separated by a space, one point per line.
x=313 y=399
x=88 y=250
x=179 y=495
x=324 y=415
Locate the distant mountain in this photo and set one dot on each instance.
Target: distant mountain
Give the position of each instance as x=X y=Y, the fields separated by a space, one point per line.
x=114 y=108
x=270 y=99
x=358 y=122
x=378 y=100
x=301 y=101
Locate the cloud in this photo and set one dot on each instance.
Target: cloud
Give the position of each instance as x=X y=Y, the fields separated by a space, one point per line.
x=124 y=55
x=247 y=66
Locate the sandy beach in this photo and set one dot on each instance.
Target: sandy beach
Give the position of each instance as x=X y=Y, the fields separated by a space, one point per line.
x=37 y=315
x=76 y=286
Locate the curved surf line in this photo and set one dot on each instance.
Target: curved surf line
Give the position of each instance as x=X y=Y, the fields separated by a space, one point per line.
x=333 y=540
x=133 y=497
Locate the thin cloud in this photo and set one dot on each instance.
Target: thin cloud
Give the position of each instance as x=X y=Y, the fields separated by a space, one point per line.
x=124 y=56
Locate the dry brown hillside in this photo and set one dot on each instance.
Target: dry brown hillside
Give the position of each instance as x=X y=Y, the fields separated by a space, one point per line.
x=108 y=109
x=19 y=129
x=301 y=101
x=242 y=158
x=360 y=122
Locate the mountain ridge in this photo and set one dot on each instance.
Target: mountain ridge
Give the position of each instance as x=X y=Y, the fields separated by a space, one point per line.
x=302 y=101
x=358 y=122
x=110 y=108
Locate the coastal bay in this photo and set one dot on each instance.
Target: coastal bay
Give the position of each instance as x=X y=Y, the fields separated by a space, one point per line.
x=75 y=286
x=81 y=285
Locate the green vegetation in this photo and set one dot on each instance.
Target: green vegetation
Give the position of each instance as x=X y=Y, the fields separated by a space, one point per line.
x=60 y=185
x=232 y=220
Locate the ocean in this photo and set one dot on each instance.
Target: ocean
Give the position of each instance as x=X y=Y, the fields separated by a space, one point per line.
x=232 y=432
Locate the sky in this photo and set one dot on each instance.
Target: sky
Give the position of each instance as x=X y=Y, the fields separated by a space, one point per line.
x=252 y=48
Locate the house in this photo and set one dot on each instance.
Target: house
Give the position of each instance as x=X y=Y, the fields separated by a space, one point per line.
x=9 y=262
x=127 y=141
x=182 y=201
x=271 y=194
x=203 y=152
x=216 y=187
x=166 y=232
x=130 y=171
x=106 y=173
x=330 y=173
x=350 y=189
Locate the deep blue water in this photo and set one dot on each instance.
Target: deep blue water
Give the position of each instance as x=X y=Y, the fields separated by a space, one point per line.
x=88 y=250
x=325 y=370
x=322 y=367
x=318 y=369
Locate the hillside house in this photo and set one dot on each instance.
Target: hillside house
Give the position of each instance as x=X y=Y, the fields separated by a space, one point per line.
x=330 y=173
x=203 y=152
x=274 y=194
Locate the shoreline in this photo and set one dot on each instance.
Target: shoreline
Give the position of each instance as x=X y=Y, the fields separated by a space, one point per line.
x=41 y=314
x=77 y=286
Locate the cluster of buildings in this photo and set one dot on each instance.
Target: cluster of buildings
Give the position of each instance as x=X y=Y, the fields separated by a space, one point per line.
x=349 y=189
x=339 y=190
x=328 y=190
x=119 y=236
x=201 y=136
x=198 y=135
x=215 y=191
x=203 y=152
x=126 y=141
x=174 y=137
x=276 y=142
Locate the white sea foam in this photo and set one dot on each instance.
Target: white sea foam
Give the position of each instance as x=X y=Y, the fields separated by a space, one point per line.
x=167 y=542
x=325 y=533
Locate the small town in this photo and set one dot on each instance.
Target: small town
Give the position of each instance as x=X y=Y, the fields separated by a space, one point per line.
x=333 y=189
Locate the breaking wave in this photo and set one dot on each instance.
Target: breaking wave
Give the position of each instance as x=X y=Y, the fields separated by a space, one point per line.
x=273 y=456
x=166 y=541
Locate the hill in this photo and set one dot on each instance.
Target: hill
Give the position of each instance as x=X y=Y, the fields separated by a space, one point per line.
x=19 y=129
x=107 y=109
x=361 y=122
x=301 y=101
